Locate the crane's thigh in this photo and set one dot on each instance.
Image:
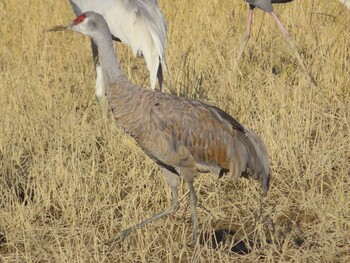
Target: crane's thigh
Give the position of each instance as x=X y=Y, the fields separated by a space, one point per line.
x=171 y=178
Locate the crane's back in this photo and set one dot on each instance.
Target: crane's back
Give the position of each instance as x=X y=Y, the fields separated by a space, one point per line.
x=189 y=135
x=266 y=5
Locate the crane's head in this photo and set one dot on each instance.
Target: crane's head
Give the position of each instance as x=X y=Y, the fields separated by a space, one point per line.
x=91 y=24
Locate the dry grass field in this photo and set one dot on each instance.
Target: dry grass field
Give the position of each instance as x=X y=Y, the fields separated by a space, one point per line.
x=70 y=178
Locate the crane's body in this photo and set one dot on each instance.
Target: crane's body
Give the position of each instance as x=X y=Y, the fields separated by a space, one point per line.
x=137 y=23
x=185 y=136
x=267 y=6
x=181 y=135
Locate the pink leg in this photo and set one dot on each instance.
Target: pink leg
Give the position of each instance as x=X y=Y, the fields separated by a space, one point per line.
x=290 y=42
x=246 y=36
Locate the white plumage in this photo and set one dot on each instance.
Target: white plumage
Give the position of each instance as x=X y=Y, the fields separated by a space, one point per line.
x=137 y=23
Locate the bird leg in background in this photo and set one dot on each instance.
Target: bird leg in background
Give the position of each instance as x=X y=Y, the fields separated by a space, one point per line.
x=246 y=35
x=194 y=217
x=173 y=208
x=290 y=42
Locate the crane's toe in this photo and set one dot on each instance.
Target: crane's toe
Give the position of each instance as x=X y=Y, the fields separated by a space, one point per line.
x=119 y=238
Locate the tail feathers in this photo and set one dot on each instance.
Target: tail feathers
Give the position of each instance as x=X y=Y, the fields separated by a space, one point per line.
x=251 y=159
x=280 y=1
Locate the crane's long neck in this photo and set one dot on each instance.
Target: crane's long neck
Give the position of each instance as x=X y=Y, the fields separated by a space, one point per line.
x=123 y=96
x=110 y=64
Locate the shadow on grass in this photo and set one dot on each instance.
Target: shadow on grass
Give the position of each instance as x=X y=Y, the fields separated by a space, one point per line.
x=223 y=237
x=226 y=237
x=2 y=239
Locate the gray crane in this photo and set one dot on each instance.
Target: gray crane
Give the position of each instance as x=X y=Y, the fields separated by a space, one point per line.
x=181 y=135
x=139 y=24
x=266 y=5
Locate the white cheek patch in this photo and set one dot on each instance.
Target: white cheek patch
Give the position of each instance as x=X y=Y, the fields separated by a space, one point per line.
x=100 y=89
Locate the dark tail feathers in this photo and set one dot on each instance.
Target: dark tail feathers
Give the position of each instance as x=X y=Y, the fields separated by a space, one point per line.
x=280 y=1
x=251 y=159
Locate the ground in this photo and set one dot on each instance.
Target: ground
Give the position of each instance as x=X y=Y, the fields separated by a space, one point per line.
x=69 y=178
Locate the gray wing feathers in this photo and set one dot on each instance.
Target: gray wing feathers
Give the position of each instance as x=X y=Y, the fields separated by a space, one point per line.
x=257 y=158
x=190 y=135
x=245 y=152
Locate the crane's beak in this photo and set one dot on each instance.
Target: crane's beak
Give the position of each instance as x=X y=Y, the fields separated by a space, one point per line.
x=59 y=28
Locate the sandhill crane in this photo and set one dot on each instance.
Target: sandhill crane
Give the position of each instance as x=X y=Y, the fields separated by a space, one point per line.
x=137 y=23
x=181 y=135
x=266 y=5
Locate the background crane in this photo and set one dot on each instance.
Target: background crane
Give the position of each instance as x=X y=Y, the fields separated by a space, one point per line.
x=181 y=135
x=266 y=5
x=137 y=23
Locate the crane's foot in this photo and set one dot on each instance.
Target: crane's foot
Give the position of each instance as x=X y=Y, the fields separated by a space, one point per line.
x=119 y=238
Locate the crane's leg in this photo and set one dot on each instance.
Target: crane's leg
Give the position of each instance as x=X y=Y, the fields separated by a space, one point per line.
x=160 y=77
x=290 y=42
x=246 y=35
x=173 y=208
x=194 y=217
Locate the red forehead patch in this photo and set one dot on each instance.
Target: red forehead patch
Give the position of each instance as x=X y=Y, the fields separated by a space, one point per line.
x=79 y=19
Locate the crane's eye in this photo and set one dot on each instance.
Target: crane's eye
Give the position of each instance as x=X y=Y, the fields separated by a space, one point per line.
x=79 y=19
